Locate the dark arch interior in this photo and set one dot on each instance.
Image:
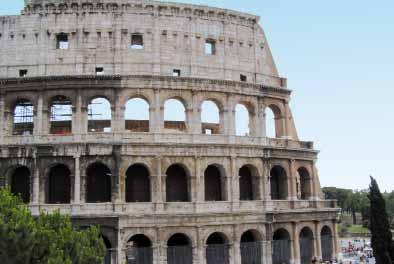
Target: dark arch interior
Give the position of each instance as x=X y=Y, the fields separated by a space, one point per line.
x=108 y=246
x=326 y=231
x=278 y=183
x=178 y=240
x=281 y=234
x=20 y=183
x=217 y=250
x=216 y=238
x=246 y=192
x=306 y=233
x=281 y=252
x=306 y=245
x=98 y=183
x=141 y=249
x=177 y=184
x=326 y=243
x=249 y=236
x=138 y=184
x=140 y=241
x=213 y=184
x=251 y=247
x=59 y=185
x=305 y=183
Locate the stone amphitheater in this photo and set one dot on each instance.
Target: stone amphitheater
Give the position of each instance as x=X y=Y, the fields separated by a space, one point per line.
x=126 y=114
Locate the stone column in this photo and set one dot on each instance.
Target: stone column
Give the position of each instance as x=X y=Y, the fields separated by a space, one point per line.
x=77 y=115
x=317 y=237
x=267 y=252
x=196 y=116
x=336 y=247
x=200 y=184
x=158 y=120
x=237 y=252
x=77 y=180
x=233 y=192
x=39 y=116
x=315 y=182
x=295 y=245
x=286 y=121
x=262 y=118
x=36 y=181
x=293 y=191
x=230 y=117
x=2 y=117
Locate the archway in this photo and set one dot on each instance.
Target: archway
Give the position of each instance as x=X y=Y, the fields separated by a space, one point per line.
x=137 y=115
x=61 y=116
x=214 y=184
x=59 y=185
x=242 y=123
x=139 y=250
x=306 y=245
x=210 y=118
x=20 y=183
x=217 y=250
x=108 y=248
x=278 y=183
x=138 y=184
x=23 y=118
x=251 y=247
x=99 y=115
x=248 y=183
x=305 y=183
x=281 y=247
x=326 y=243
x=177 y=184
x=174 y=115
x=98 y=183
x=179 y=250
x=273 y=122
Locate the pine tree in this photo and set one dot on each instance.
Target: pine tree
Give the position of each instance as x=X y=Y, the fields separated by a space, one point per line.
x=382 y=241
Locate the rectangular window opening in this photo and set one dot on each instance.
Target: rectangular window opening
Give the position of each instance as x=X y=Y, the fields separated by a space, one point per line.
x=137 y=41
x=243 y=78
x=22 y=73
x=99 y=71
x=62 y=41
x=176 y=73
x=210 y=47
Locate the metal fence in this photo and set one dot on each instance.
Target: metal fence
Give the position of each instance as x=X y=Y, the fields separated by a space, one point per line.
x=326 y=245
x=143 y=255
x=251 y=253
x=306 y=250
x=218 y=254
x=179 y=255
x=281 y=252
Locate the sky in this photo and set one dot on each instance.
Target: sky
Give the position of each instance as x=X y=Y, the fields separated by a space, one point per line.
x=338 y=57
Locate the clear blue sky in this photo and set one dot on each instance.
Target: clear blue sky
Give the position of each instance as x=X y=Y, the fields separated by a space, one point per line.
x=338 y=57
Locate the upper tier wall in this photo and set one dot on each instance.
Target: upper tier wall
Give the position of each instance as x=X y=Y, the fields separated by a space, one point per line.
x=99 y=35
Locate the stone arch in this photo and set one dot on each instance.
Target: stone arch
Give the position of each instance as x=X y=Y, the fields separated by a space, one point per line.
x=137 y=114
x=305 y=183
x=211 y=117
x=98 y=184
x=274 y=121
x=175 y=115
x=326 y=238
x=139 y=249
x=251 y=247
x=306 y=245
x=59 y=185
x=179 y=249
x=215 y=183
x=217 y=249
x=278 y=181
x=138 y=186
x=177 y=183
x=61 y=115
x=19 y=182
x=281 y=247
x=99 y=114
x=249 y=183
x=23 y=117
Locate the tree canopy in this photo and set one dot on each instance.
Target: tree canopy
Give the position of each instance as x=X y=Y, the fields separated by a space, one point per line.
x=46 y=239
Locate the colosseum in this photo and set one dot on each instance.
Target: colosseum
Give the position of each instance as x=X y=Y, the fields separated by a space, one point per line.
x=165 y=124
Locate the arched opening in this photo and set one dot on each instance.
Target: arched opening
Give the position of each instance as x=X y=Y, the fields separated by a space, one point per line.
x=108 y=247
x=215 y=183
x=248 y=183
x=138 y=184
x=177 y=184
x=281 y=247
x=210 y=118
x=137 y=115
x=251 y=247
x=179 y=250
x=306 y=245
x=98 y=183
x=305 y=184
x=139 y=250
x=273 y=122
x=23 y=122
x=59 y=185
x=20 y=183
x=217 y=250
x=326 y=243
x=174 y=115
x=242 y=120
x=99 y=115
x=61 y=116
x=278 y=183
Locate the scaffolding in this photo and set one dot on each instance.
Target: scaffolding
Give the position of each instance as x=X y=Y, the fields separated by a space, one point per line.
x=23 y=118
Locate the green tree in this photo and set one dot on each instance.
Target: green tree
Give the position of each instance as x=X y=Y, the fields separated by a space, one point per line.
x=382 y=241
x=46 y=239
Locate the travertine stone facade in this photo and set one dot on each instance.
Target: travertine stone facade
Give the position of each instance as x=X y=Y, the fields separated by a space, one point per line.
x=229 y=195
